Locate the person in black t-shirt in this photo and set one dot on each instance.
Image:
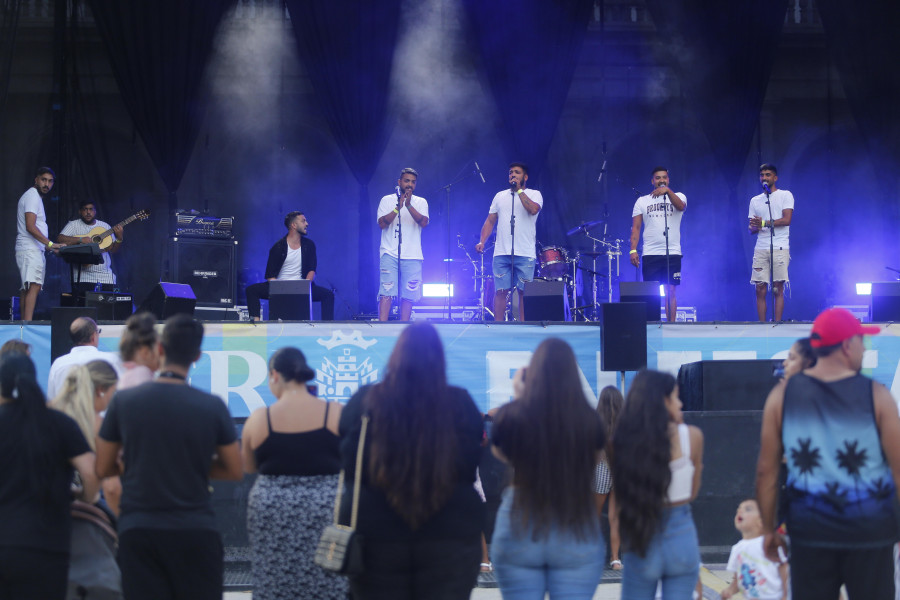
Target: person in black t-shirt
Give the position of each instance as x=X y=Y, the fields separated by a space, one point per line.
x=38 y=449
x=175 y=438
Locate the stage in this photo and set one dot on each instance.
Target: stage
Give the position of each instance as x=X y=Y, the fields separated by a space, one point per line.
x=480 y=357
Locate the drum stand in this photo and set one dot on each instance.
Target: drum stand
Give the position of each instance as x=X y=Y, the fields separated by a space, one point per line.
x=613 y=252
x=478 y=279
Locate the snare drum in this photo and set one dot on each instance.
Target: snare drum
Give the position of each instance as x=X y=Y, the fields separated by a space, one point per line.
x=554 y=261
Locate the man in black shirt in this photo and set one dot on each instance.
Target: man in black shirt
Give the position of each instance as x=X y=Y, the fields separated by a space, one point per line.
x=175 y=438
x=292 y=257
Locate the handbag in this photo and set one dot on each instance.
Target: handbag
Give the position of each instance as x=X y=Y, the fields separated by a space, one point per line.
x=340 y=546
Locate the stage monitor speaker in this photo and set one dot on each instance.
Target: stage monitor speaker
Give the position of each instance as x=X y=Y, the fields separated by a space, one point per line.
x=167 y=299
x=290 y=300
x=545 y=301
x=885 y=301
x=711 y=385
x=61 y=318
x=111 y=306
x=642 y=291
x=623 y=336
x=207 y=266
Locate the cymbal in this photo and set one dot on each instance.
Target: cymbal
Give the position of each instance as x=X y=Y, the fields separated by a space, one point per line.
x=584 y=227
x=592 y=254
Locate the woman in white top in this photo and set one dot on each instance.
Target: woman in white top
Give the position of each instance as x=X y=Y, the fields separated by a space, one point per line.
x=656 y=463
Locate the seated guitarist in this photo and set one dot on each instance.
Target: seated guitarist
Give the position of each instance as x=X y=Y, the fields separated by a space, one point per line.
x=78 y=231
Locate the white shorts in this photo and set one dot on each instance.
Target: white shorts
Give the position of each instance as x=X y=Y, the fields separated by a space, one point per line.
x=32 y=265
x=760 y=271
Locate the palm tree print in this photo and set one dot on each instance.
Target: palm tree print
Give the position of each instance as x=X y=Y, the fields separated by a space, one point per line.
x=852 y=460
x=806 y=459
x=838 y=499
x=881 y=490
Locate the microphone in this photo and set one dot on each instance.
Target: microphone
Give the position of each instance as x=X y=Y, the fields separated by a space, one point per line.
x=480 y=174
x=766 y=187
x=661 y=184
x=398 y=191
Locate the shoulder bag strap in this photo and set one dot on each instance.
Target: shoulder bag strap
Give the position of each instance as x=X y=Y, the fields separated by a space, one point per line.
x=357 y=478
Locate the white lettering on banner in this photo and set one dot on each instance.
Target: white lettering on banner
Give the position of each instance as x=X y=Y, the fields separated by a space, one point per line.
x=502 y=366
x=734 y=354
x=669 y=361
x=256 y=375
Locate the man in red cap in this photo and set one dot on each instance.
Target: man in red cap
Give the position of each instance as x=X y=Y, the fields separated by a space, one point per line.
x=840 y=433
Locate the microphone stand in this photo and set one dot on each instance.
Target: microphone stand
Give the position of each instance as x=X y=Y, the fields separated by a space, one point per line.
x=449 y=259
x=666 y=235
x=512 y=258
x=771 y=252
x=399 y=255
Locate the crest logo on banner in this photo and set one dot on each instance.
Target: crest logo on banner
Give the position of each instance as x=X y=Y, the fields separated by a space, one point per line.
x=341 y=379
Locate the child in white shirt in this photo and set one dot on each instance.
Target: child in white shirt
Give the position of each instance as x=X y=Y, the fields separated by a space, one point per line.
x=754 y=574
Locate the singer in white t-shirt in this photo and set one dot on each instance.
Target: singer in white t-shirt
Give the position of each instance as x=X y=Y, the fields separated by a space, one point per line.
x=401 y=274
x=512 y=267
x=660 y=213
x=763 y=224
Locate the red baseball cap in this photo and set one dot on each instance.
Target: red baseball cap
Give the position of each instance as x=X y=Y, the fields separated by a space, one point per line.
x=835 y=325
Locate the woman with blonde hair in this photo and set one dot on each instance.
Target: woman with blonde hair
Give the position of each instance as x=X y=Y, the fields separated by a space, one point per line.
x=86 y=392
x=139 y=349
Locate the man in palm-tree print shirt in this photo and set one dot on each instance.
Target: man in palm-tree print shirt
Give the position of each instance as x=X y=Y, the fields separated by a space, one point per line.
x=839 y=433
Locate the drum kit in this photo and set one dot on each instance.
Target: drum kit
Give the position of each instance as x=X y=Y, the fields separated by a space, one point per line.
x=559 y=263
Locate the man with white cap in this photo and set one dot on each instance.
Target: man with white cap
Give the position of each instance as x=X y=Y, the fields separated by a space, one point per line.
x=840 y=433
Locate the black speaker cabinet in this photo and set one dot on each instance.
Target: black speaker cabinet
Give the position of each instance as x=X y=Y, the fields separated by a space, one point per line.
x=711 y=385
x=885 y=301
x=290 y=300
x=111 y=306
x=61 y=318
x=167 y=299
x=545 y=301
x=623 y=336
x=642 y=291
x=207 y=266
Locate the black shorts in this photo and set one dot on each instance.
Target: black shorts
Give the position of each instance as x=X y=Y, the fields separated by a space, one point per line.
x=653 y=268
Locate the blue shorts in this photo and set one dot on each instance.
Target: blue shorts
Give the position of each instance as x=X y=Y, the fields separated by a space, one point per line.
x=502 y=275
x=411 y=282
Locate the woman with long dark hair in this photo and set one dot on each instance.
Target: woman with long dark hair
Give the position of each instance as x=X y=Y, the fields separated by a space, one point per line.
x=609 y=406
x=39 y=451
x=419 y=514
x=547 y=534
x=657 y=462
x=293 y=445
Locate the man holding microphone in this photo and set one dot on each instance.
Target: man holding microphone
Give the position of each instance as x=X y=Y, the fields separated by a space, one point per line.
x=660 y=212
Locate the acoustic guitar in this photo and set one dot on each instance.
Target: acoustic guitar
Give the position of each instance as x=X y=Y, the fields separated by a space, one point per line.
x=103 y=237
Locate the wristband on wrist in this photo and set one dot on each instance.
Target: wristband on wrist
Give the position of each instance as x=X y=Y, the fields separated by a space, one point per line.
x=763 y=222
x=520 y=192
x=396 y=211
x=633 y=252
x=49 y=244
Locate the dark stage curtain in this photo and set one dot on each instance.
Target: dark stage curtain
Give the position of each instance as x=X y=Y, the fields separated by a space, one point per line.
x=159 y=50
x=529 y=52
x=725 y=52
x=861 y=38
x=347 y=48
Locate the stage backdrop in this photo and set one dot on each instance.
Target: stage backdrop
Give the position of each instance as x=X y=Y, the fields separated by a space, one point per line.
x=480 y=358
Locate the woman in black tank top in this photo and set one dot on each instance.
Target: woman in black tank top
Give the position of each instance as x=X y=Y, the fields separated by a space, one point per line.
x=293 y=445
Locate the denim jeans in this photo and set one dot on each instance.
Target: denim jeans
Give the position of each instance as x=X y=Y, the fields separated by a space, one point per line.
x=558 y=563
x=673 y=558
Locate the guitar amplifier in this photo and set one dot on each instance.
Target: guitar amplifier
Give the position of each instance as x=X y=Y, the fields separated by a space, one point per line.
x=207 y=265
x=111 y=306
x=203 y=226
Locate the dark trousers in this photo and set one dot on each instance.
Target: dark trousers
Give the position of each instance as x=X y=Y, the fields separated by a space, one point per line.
x=27 y=573
x=818 y=573
x=171 y=564
x=432 y=570
x=260 y=291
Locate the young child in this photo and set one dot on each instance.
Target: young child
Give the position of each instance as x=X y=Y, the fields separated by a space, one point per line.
x=754 y=574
